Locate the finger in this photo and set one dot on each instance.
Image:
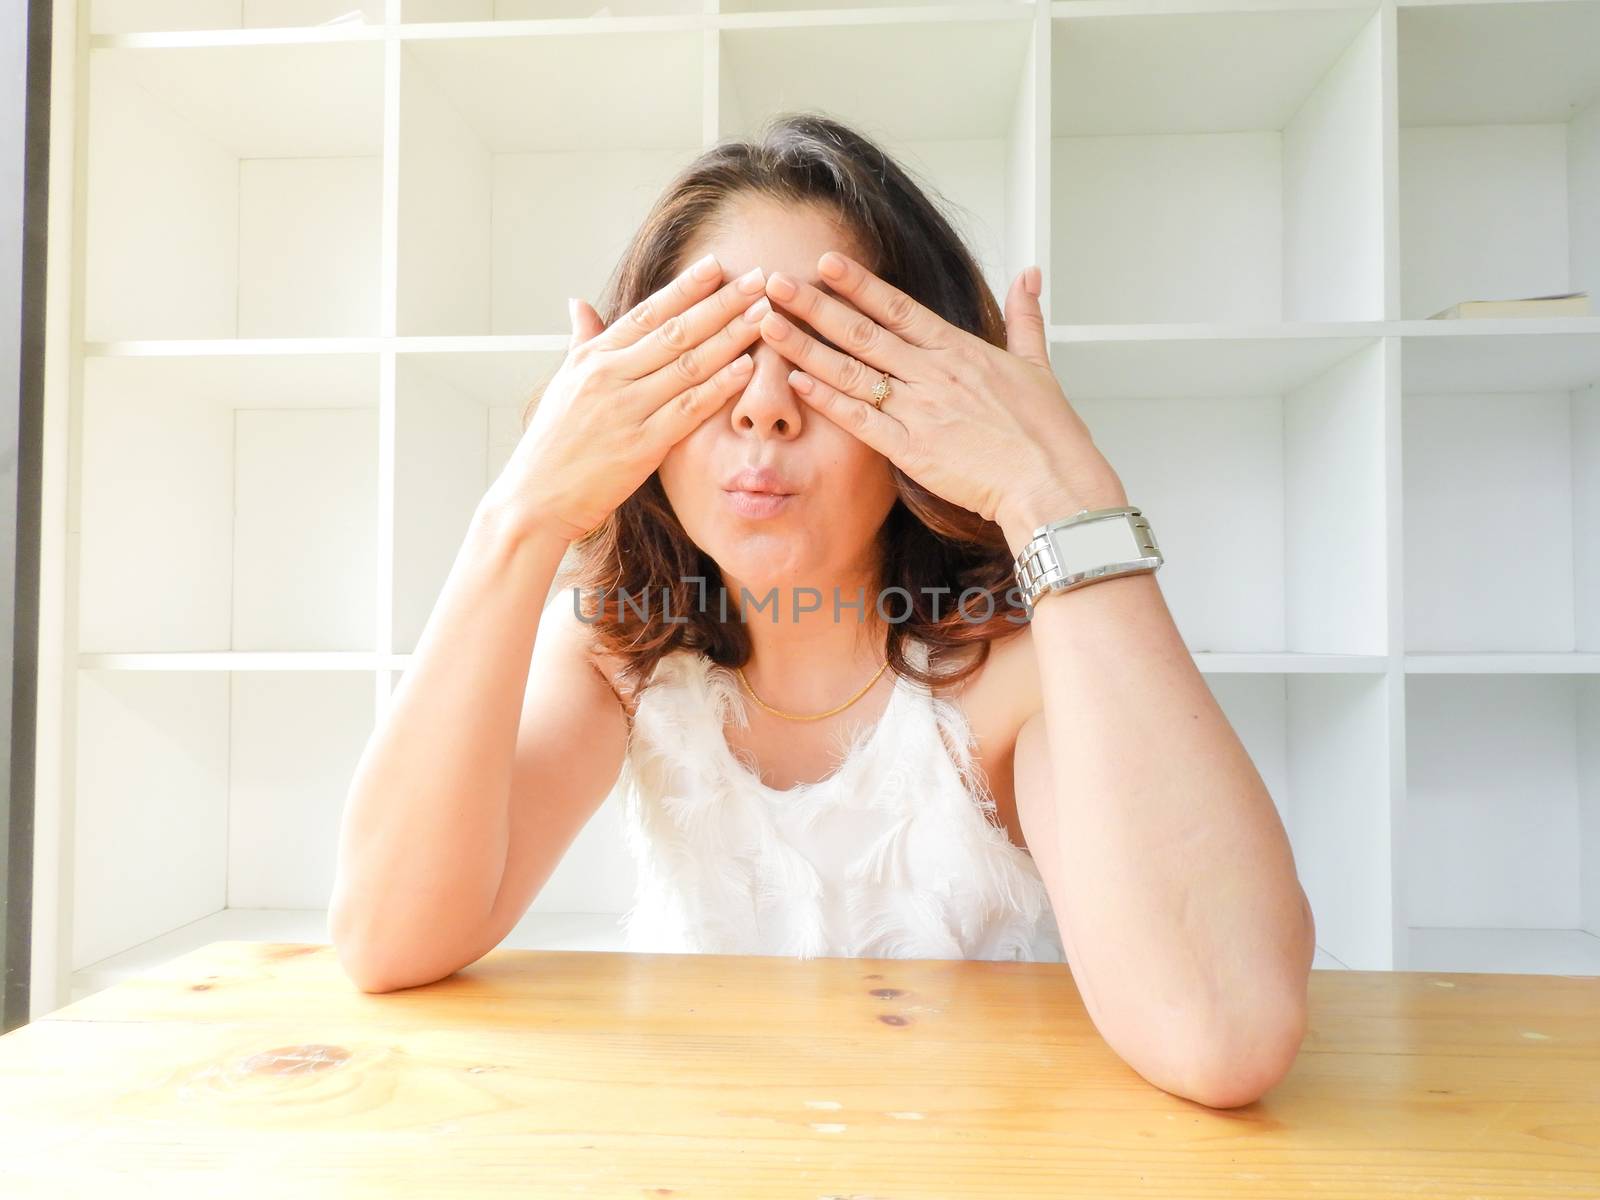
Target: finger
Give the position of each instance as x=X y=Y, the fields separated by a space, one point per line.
x=586 y=323
x=843 y=372
x=702 y=360
x=689 y=285
x=877 y=429
x=887 y=304
x=681 y=415
x=681 y=334
x=1025 y=332
x=841 y=328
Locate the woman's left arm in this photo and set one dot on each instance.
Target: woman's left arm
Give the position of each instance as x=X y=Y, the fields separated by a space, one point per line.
x=1174 y=885
x=1172 y=878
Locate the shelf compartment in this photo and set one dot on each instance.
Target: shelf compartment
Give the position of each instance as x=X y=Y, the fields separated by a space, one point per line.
x=513 y=197
x=1219 y=166
x=156 y=16
x=1321 y=745
x=228 y=503
x=1501 y=464
x=973 y=146
x=1502 y=823
x=199 y=791
x=1260 y=464
x=457 y=421
x=234 y=191
x=1499 y=152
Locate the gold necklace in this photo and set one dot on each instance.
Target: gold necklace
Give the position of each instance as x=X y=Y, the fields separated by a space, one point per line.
x=817 y=717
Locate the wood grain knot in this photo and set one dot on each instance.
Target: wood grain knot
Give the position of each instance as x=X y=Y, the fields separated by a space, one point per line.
x=296 y=1060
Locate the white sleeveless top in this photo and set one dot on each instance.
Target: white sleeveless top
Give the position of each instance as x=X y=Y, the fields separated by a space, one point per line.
x=897 y=854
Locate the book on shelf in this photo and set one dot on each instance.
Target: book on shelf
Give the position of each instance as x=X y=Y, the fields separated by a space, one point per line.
x=1563 y=304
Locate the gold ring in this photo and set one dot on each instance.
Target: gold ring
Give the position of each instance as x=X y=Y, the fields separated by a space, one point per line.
x=880 y=392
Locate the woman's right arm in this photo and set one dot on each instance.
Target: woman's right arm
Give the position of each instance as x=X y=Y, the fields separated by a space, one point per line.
x=428 y=836
x=502 y=738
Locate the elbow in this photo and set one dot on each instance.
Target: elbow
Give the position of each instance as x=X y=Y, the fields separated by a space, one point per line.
x=357 y=966
x=373 y=987
x=372 y=984
x=1236 y=1069
x=359 y=959
x=363 y=974
x=1232 y=1058
x=1247 y=1055
x=375 y=981
x=367 y=972
x=376 y=973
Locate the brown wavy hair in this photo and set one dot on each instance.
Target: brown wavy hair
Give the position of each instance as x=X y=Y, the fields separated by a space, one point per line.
x=641 y=549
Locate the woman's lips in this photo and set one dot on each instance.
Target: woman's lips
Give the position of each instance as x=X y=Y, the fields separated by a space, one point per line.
x=758 y=504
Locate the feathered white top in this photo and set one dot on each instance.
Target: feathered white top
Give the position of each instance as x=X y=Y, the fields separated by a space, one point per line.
x=897 y=854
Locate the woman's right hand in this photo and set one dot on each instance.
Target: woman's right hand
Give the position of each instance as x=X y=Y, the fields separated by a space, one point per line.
x=627 y=393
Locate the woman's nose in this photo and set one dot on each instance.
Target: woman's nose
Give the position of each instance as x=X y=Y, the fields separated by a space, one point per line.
x=768 y=405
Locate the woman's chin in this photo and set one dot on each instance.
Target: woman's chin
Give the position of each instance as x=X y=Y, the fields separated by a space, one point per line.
x=758 y=574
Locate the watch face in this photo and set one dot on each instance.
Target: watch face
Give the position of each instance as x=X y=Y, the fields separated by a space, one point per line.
x=1065 y=556
x=1096 y=543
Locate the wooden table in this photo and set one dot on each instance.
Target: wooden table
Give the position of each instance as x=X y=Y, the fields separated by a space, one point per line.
x=248 y=1068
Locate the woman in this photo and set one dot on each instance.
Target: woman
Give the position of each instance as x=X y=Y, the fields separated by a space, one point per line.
x=788 y=619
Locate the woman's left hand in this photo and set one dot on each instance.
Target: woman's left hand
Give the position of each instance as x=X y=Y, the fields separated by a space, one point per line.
x=986 y=428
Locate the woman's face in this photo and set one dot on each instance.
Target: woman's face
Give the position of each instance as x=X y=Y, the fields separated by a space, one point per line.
x=823 y=533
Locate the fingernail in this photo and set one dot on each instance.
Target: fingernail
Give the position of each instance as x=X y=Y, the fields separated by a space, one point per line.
x=759 y=309
x=831 y=265
x=751 y=281
x=705 y=268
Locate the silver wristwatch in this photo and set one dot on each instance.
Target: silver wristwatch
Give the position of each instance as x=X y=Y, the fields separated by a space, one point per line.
x=1091 y=545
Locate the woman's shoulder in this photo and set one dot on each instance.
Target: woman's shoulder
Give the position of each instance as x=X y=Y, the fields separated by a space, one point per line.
x=613 y=668
x=1003 y=692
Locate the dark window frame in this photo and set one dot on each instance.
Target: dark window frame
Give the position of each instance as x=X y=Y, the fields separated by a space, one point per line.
x=25 y=47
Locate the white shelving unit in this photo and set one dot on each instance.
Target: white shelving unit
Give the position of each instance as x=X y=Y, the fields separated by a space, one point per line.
x=308 y=258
